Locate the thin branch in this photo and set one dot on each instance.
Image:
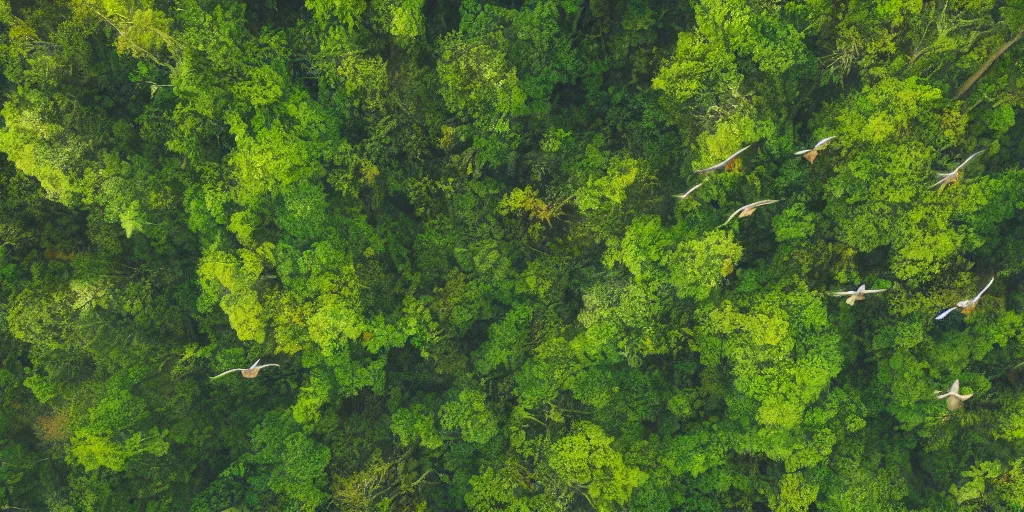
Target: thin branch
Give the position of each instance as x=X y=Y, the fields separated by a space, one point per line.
x=134 y=46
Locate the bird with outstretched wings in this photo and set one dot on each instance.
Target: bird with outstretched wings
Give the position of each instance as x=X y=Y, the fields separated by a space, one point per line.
x=955 y=175
x=954 y=400
x=748 y=210
x=966 y=306
x=811 y=154
x=854 y=295
x=250 y=372
x=726 y=164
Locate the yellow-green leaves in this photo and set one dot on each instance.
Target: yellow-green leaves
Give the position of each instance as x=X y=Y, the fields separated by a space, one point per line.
x=880 y=194
x=586 y=459
x=612 y=185
x=696 y=267
x=470 y=416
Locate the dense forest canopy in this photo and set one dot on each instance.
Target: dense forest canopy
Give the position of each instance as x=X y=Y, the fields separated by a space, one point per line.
x=452 y=226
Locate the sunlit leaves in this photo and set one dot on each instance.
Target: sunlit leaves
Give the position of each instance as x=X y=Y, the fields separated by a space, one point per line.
x=471 y=416
x=697 y=267
x=586 y=459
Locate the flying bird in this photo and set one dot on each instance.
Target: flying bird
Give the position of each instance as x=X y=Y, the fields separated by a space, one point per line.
x=250 y=372
x=695 y=187
x=954 y=400
x=854 y=295
x=748 y=210
x=811 y=154
x=966 y=306
x=955 y=175
x=727 y=164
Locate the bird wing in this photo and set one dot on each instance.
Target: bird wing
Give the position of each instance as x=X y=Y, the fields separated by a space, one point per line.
x=955 y=388
x=227 y=372
x=254 y=364
x=695 y=187
x=875 y=291
x=961 y=166
x=842 y=294
x=978 y=296
x=803 y=151
x=736 y=154
x=713 y=167
x=943 y=395
x=964 y=397
x=734 y=214
x=760 y=203
x=945 y=313
x=823 y=142
x=267 y=365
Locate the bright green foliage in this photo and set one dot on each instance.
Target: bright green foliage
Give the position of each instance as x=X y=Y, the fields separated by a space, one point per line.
x=470 y=416
x=586 y=460
x=451 y=225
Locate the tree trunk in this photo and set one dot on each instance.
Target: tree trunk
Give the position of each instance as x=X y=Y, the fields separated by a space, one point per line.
x=984 y=67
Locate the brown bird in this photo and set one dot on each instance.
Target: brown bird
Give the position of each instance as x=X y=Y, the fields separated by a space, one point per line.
x=727 y=164
x=748 y=210
x=955 y=175
x=695 y=187
x=854 y=295
x=250 y=372
x=954 y=400
x=966 y=306
x=811 y=154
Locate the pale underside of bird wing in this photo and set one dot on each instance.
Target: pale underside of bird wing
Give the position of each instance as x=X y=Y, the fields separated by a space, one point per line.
x=945 y=313
x=955 y=388
x=734 y=155
x=723 y=163
x=763 y=202
x=227 y=372
x=823 y=142
x=712 y=168
x=734 y=214
x=255 y=364
x=844 y=294
x=943 y=395
x=963 y=397
x=947 y=178
x=748 y=210
x=687 y=193
x=803 y=151
x=961 y=166
x=875 y=291
x=983 y=290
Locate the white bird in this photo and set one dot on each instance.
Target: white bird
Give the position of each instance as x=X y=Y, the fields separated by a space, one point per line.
x=727 y=164
x=955 y=175
x=966 y=306
x=695 y=187
x=811 y=154
x=954 y=400
x=250 y=372
x=748 y=210
x=854 y=295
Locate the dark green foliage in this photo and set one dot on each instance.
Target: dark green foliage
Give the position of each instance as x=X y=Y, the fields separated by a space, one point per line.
x=452 y=226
